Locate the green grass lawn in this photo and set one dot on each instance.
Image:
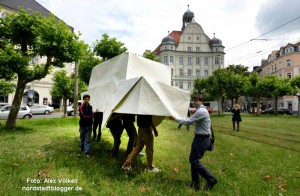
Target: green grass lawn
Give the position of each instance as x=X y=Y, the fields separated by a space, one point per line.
x=39 y=149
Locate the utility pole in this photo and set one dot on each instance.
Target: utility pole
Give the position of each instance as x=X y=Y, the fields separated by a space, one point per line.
x=76 y=91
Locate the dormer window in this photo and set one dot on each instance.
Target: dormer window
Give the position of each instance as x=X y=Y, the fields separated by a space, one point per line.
x=3 y=14
x=289 y=50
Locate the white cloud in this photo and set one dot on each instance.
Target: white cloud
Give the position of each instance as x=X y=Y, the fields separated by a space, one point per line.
x=142 y=24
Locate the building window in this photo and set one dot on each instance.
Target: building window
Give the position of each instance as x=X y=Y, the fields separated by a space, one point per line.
x=197 y=49
x=197 y=61
x=165 y=59
x=172 y=83
x=45 y=101
x=3 y=14
x=180 y=60
x=4 y=99
x=189 y=60
x=189 y=85
x=221 y=61
x=171 y=59
x=189 y=38
x=288 y=63
x=30 y=98
x=197 y=73
x=289 y=75
x=217 y=49
x=172 y=71
x=180 y=72
x=189 y=49
x=197 y=38
x=181 y=85
x=217 y=62
x=206 y=61
x=205 y=73
x=288 y=50
x=190 y=73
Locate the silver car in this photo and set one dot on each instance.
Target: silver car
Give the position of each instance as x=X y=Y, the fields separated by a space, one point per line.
x=24 y=112
x=41 y=109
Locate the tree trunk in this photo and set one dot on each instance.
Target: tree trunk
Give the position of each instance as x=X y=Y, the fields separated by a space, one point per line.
x=257 y=106
x=11 y=121
x=222 y=102
x=298 y=106
x=219 y=106
x=232 y=104
x=76 y=91
x=275 y=109
x=65 y=106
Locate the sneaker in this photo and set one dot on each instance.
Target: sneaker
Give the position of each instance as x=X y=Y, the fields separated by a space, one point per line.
x=127 y=167
x=153 y=170
x=210 y=185
x=87 y=156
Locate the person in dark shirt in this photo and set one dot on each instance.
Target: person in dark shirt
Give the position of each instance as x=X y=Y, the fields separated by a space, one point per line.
x=116 y=128
x=85 y=124
x=145 y=138
x=236 y=117
x=98 y=117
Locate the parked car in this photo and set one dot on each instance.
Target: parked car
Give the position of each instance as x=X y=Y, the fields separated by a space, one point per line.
x=3 y=104
x=24 y=112
x=41 y=109
x=70 y=109
x=284 y=111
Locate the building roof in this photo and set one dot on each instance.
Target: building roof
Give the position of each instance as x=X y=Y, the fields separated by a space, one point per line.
x=176 y=35
x=168 y=40
x=28 y=5
x=188 y=14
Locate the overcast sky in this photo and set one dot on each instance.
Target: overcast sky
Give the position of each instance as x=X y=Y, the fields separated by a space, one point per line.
x=142 y=24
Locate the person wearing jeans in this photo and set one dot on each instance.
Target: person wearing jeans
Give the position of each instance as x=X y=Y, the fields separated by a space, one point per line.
x=85 y=125
x=200 y=144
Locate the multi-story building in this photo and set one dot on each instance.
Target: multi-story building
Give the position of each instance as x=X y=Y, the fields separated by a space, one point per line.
x=36 y=92
x=283 y=63
x=190 y=53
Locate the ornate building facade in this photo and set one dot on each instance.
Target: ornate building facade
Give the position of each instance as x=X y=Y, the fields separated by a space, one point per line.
x=190 y=53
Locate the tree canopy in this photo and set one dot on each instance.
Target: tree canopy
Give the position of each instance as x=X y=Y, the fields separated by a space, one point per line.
x=152 y=56
x=25 y=36
x=63 y=87
x=108 y=48
x=86 y=65
x=6 y=87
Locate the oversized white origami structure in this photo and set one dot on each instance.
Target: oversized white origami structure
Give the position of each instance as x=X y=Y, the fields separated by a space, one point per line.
x=132 y=84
